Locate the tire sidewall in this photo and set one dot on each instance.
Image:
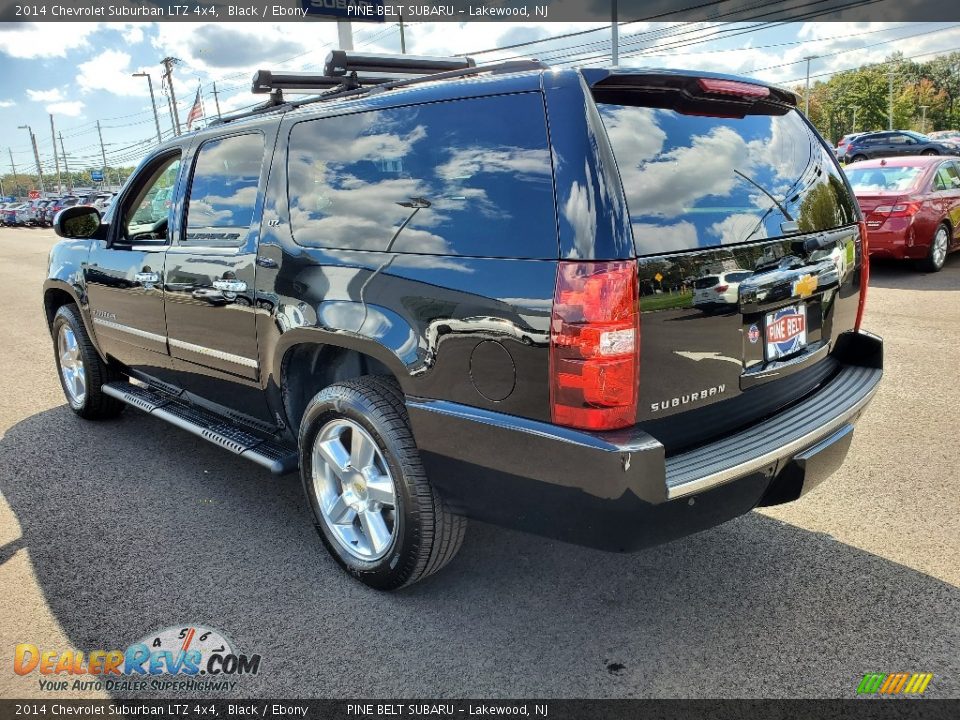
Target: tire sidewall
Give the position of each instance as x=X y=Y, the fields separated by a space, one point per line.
x=933 y=247
x=65 y=317
x=389 y=571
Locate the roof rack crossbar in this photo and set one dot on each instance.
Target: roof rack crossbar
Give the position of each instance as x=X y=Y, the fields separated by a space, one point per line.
x=350 y=85
x=342 y=62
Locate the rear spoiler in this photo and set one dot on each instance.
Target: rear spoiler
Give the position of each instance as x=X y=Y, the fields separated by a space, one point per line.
x=689 y=93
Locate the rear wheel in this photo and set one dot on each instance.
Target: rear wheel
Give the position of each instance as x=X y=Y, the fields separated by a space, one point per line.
x=931 y=151
x=858 y=158
x=376 y=512
x=82 y=372
x=939 y=247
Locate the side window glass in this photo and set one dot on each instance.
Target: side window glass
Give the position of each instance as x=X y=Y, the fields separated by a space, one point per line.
x=146 y=214
x=223 y=190
x=953 y=176
x=465 y=177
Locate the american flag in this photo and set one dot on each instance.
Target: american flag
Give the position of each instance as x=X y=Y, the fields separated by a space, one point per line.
x=196 y=112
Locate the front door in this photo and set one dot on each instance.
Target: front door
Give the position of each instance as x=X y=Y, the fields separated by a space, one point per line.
x=210 y=281
x=124 y=273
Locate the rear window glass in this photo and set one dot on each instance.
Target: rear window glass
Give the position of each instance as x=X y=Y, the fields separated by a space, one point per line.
x=694 y=181
x=883 y=179
x=738 y=276
x=706 y=282
x=466 y=177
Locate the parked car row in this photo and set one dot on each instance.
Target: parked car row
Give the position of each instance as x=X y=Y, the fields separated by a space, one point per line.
x=41 y=211
x=858 y=147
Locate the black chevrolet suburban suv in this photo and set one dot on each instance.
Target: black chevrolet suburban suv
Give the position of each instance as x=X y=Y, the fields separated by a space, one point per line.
x=446 y=291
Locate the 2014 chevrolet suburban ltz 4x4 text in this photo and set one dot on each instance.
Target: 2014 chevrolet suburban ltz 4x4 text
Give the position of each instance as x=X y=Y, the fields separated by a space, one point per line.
x=468 y=293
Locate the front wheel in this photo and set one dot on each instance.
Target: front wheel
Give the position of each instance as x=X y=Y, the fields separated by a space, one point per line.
x=858 y=158
x=82 y=372
x=930 y=152
x=939 y=247
x=376 y=512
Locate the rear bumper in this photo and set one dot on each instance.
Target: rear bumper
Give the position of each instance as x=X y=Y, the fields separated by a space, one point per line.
x=618 y=490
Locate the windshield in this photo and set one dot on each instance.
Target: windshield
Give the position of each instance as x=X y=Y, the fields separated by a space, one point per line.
x=883 y=179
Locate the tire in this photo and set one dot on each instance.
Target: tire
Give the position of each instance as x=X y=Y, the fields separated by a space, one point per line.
x=930 y=152
x=939 y=249
x=858 y=158
x=383 y=547
x=79 y=367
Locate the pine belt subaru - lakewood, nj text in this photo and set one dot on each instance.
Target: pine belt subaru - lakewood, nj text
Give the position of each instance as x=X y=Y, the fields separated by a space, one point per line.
x=463 y=292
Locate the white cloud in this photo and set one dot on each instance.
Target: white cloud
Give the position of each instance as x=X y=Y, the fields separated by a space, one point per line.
x=52 y=95
x=111 y=71
x=40 y=40
x=7 y=103
x=71 y=108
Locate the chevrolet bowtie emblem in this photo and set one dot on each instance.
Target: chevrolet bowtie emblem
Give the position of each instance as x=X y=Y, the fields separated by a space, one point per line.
x=805 y=286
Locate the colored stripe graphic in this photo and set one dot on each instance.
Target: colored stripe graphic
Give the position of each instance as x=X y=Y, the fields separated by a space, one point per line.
x=894 y=683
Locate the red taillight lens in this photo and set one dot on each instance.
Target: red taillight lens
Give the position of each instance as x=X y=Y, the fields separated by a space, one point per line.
x=720 y=289
x=595 y=345
x=864 y=273
x=907 y=209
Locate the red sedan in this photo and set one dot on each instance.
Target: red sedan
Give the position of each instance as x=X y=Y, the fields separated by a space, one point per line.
x=912 y=207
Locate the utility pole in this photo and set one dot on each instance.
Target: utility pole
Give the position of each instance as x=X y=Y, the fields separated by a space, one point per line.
x=56 y=158
x=614 y=35
x=806 y=101
x=403 y=38
x=923 y=122
x=168 y=63
x=36 y=154
x=103 y=153
x=66 y=167
x=854 y=129
x=153 y=103
x=890 y=121
x=16 y=180
x=216 y=99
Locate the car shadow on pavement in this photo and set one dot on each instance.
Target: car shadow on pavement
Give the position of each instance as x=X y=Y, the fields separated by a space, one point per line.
x=133 y=525
x=904 y=275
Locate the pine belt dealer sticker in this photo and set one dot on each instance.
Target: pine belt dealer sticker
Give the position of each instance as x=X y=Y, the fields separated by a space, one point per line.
x=189 y=657
x=786 y=331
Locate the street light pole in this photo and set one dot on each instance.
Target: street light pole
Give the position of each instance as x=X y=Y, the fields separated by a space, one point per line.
x=16 y=180
x=890 y=121
x=854 y=129
x=36 y=154
x=806 y=102
x=614 y=35
x=153 y=104
x=923 y=122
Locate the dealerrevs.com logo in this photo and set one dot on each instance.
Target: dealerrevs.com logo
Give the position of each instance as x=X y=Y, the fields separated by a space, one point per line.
x=189 y=658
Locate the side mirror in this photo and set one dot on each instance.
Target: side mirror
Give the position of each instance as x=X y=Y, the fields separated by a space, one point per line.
x=77 y=222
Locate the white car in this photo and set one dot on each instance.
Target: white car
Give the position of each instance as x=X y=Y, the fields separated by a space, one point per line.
x=718 y=291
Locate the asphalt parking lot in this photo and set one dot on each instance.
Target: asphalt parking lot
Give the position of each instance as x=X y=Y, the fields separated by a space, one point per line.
x=109 y=531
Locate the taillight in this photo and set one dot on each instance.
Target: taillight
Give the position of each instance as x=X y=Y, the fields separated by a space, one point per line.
x=595 y=345
x=864 y=273
x=720 y=289
x=908 y=209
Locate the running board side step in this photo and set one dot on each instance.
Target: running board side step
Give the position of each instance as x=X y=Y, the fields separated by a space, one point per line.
x=276 y=457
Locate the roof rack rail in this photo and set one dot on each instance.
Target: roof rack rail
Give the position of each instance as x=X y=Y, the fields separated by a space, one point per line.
x=351 y=83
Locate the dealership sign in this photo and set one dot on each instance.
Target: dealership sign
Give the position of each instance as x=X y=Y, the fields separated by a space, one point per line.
x=352 y=9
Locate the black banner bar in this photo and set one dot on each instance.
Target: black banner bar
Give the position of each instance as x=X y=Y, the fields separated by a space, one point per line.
x=477 y=10
x=858 y=709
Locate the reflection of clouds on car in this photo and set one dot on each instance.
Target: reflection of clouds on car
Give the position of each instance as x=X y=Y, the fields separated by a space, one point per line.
x=728 y=178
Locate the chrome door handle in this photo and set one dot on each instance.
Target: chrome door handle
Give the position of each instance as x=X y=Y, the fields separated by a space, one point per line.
x=234 y=286
x=147 y=277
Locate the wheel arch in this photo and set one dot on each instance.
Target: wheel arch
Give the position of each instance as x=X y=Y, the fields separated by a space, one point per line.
x=313 y=362
x=56 y=294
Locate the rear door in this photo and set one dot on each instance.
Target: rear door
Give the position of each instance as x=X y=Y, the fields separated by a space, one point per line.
x=714 y=185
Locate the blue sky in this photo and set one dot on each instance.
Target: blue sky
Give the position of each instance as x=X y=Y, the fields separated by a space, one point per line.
x=81 y=72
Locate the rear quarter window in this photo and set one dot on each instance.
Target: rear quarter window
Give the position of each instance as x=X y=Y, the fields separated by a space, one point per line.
x=693 y=181
x=466 y=177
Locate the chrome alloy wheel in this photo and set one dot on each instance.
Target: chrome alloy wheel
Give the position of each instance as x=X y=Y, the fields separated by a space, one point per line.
x=354 y=489
x=71 y=365
x=940 y=242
